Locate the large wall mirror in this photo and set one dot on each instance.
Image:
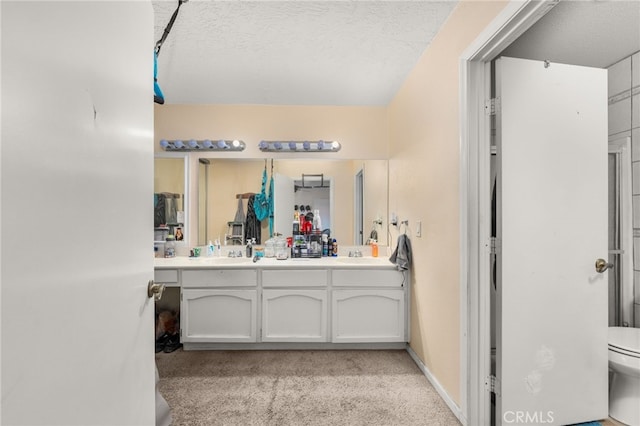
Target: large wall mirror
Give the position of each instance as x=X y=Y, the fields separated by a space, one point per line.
x=350 y=195
x=170 y=198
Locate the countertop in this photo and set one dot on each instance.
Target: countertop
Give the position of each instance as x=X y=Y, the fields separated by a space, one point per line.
x=181 y=262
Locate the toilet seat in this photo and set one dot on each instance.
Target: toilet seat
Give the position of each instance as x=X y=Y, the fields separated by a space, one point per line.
x=625 y=340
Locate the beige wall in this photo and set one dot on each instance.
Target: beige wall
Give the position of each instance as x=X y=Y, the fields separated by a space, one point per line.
x=362 y=131
x=424 y=185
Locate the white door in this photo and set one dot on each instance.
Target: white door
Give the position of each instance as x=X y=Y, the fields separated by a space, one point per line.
x=283 y=202
x=77 y=218
x=552 y=226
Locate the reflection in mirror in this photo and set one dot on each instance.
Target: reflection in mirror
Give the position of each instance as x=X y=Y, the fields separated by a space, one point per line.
x=203 y=190
x=169 y=197
x=228 y=180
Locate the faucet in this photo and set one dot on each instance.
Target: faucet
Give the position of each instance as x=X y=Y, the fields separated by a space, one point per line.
x=235 y=253
x=355 y=253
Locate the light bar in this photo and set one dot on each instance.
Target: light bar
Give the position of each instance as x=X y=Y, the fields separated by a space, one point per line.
x=203 y=145
x=299 y=146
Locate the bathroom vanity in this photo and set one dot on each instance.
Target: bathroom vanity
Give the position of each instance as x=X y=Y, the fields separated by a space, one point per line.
x=234 y=303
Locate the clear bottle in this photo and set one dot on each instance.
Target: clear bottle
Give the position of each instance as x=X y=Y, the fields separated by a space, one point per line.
x=170 y=246
x=325 y=245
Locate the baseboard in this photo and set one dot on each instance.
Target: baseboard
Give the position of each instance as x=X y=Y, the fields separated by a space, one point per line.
x=437 y=386
x=272 y=346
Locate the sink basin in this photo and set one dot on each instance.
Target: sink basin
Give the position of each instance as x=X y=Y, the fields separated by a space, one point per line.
x=222 y=260
x=366 y=260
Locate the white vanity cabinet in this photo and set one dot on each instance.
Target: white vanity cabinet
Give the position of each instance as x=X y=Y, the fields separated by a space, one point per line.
x=272 y=304
x=294 y=305
x=368 y=306
x=219 y=305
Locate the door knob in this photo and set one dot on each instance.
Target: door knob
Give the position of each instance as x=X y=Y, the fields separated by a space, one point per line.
x=602 y=265
x=155 y=290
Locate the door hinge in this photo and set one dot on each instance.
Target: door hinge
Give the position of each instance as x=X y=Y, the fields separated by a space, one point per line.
x=492 y=106
x=494 y=245
x=492 y=384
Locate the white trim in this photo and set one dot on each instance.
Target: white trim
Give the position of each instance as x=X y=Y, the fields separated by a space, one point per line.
x=475 y=193
x=436 y=385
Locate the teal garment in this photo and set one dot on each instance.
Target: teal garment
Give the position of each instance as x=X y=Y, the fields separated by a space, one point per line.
x=270 y=206
x=261 y=202
x=158 y=96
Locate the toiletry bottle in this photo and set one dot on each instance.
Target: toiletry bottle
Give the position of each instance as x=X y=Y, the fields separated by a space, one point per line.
x=374 y=248
x=325 y=245
x=210 y=249
x=329 y=247
x=218 y=247
x=249 y=249
x=335 y=248
x=170 y=246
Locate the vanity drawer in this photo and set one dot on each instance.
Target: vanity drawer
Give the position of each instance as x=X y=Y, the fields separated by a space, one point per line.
x=367 y=278
x=168 y=277
x=295 y=278
x=219 y=278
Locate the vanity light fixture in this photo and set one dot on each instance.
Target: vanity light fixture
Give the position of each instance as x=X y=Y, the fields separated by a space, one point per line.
x=203 y=145
x=299 y=146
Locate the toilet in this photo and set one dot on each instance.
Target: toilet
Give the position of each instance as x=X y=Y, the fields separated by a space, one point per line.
x=624 y=363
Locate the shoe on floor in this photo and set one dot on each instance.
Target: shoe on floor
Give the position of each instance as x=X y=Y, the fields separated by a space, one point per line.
x=161 y=342
x=173 y=343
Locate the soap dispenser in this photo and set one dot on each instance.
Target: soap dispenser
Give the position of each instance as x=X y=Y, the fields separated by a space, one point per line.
x=250 y=247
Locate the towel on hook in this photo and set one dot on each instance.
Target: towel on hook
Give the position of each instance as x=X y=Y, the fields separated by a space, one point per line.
x=402 y=254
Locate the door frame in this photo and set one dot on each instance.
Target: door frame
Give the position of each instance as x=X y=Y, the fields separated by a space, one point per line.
x=475 y=201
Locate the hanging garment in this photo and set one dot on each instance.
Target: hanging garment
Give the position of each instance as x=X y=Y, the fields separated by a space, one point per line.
x=252 y=227
x=402 y=254
x=260 y=202
x=240 y=217
x=159 y=208
x=270 y=203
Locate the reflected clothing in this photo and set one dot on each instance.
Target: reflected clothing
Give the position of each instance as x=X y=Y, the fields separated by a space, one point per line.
x=252 y=227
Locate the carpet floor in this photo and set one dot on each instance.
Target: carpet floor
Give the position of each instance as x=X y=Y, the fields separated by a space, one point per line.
x=299 y=388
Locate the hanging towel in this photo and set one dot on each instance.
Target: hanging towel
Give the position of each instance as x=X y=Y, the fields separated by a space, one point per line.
x=239 y=212
x=402 y=254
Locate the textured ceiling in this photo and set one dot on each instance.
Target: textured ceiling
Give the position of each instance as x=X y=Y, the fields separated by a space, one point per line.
x=292 y=52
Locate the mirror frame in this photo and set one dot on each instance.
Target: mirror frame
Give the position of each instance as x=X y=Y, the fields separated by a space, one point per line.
x=186 y=200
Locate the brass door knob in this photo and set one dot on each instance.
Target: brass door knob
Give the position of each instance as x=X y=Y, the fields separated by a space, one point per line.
x=155 y=290
x=602 y=265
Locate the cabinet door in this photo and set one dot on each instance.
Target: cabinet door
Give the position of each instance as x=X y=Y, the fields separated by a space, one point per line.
x=368 y=316
x=294 y=316
x=219 y=315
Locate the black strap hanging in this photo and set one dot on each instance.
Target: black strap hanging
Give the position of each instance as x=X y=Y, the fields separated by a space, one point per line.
x=165 y=34
x=158 y=96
